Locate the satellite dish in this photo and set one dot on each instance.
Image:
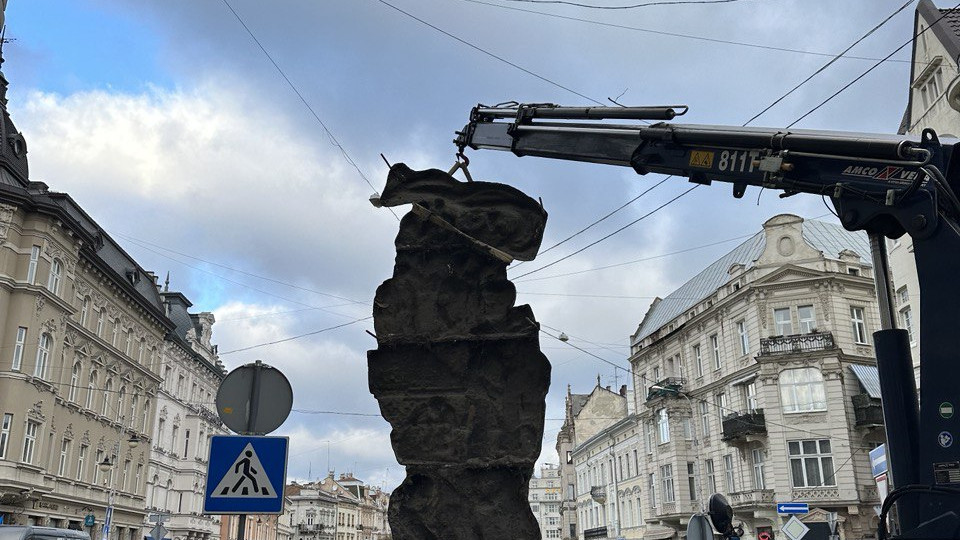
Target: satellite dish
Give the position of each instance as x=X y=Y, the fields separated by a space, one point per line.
x=699 y=528
x=721 y=514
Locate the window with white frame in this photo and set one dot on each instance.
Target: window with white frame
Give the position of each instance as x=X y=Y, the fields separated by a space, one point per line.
x=729 y=478
x=758 y=477
x=105 y=404
x=64 y=456
x=663 y=426
x=811 y=463
x=91 y=386
x=692 y=480
x=32 y=267
x=801 y=390
x=81 y=458
x=721 y=402
x=121 y=396
x=133 y=411
x=698 y=358
x=96 y=468
x=711 y=475
x=648 y=436
x=705 y=418
x=5 y=426
x=140 y=347
x=100 y=316
x=74 y=383
x=18 y=348
x=84 y=310
x=859 y=325
x=903 y=296
x=29 y=441
x=687 y=424
x=146 y=415
x=715 y=344
x=782 y=321
x=666 y=477
x=906 y=322
x=128 y=341
x=807 y=319
x=750 y=395
x=43 y=355
x=56 y=274
x=744 y=337
x=116 y=332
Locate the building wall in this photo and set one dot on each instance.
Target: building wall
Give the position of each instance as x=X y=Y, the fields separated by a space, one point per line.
x=545 y=496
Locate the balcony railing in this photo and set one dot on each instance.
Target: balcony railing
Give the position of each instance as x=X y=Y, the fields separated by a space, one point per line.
x=867 y=411
x=671 y=386
x=740 y=424
x=598 y=532
x=599 y=494
x=752 y=498
x=313 y=528
x=797 y=343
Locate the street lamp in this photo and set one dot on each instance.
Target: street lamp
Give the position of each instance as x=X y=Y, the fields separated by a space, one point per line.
x=105 y=466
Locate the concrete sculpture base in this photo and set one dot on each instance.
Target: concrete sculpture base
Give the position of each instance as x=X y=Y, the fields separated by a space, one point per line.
x=458 y=370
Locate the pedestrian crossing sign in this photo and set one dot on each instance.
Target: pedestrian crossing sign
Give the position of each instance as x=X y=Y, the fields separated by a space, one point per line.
x=246 y=475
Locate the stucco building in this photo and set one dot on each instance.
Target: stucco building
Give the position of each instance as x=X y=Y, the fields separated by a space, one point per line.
x=545 y=495
x=339 y=508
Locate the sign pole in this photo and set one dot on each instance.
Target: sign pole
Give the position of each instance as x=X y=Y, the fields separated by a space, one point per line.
x=251 y=421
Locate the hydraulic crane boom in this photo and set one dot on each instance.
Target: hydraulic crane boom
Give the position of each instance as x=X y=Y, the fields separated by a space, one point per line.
x=883 y=184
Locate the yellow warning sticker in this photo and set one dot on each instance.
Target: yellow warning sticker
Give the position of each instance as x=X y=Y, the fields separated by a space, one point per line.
x=701 y=158
x=228 y=410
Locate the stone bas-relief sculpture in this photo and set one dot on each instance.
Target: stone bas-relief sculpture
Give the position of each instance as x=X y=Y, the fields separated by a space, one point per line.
x=458 y=370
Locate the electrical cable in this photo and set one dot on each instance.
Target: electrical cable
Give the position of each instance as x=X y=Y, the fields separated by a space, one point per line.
x=490 y=54
x=678 y=35
x=871 y=68
x=330 y=135
x=631 y=6
x=284 y=340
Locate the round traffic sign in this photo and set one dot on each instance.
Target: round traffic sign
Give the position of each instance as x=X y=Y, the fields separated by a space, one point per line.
x=699 y=528
x=254 y=399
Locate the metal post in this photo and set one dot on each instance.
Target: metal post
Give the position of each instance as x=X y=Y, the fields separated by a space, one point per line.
x=251 y=423
x=881 y=279
x=241 y=526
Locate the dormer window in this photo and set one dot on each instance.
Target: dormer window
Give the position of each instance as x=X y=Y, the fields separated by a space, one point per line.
x=133 y=276
x=853 y=271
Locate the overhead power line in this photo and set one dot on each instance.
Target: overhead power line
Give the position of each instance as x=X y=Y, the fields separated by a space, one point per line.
x=874 y=66
x=330 y=135
x=291 y=338
x=677 y=34
x=631 y=6
x=490 y=54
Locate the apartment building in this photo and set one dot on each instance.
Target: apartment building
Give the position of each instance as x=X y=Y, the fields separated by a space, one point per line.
x=545 y=495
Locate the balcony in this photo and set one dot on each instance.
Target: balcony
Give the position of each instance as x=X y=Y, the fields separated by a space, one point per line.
x=739 y=425
x=599 y=494
x=797 y=343
x=671 y=386
x=867 y=411
x=315 y=528
x=598 y=532
x=753 y=498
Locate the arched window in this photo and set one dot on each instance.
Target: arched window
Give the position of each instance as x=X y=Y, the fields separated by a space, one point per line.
x=143 y=343
x=146 y=415
x=84 y=310
x=801 y=390
x=56 y=271
x=107 y=390
x=74 y=383
x=120 y=397
x=91 y=385
x=100 y=315
x=43 y=355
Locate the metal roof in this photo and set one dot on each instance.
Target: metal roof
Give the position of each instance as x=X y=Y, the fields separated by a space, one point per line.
x=828 y=238
x=869 y=377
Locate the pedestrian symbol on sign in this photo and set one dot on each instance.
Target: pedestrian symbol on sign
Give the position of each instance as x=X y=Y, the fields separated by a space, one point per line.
x=245 y=478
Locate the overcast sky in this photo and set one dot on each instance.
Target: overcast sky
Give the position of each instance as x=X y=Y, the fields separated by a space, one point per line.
x=172 y=128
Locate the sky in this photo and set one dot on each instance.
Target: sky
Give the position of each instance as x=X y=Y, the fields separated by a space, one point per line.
x=246 y=174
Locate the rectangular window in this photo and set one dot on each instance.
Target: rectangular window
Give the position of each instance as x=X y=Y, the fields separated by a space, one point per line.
x=136 y=479
x=648 y=436
x=903 y=296
x=100 y=322
x=811 y=463
x=186 y=443
x=802 y=390
x=750 y=395
x=807 y=319
x=5 y=434
x=730 y=485
x=721 y=402
x=711 y=476
x=29 y=441
x=43 y=355
x=698 y=358
x=906 y=321
x=126 y=475
x=666 y=476
x=687 y=425
x=715 y=344
x=692 y=480
x=744 y=337
x=18 y=348
x=96 y=467
x=859 y=325
x=663 y=426
x=782 y=321
x=758 y=477
x=705 y=418
x=81 y=457
x=64 y=455
x=32 y=267
x=652 y=486
x=636 y=461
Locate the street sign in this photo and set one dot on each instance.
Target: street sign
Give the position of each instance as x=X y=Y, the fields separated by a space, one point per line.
x=107 y=519
x=699 y=528
x=254 y=399
x=157 y=517
x=794 y=529
x=878 y=460
x=89 y=520
x=246 y=475
x=793 y=508
x=159 y=532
